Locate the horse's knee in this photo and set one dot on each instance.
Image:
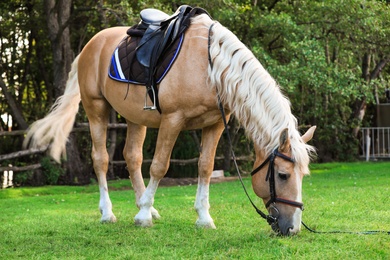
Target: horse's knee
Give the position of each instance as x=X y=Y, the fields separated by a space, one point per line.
x=158 y=169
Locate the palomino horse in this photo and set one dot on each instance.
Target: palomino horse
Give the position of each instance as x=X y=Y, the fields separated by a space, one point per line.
x=189 y=100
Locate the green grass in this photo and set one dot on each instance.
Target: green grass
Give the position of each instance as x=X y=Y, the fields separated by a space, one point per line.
x=60 y=222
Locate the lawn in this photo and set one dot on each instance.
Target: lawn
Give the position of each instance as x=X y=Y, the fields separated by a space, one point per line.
x=62 y=222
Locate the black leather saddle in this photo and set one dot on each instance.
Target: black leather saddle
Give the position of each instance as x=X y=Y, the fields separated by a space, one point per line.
x=158 y=31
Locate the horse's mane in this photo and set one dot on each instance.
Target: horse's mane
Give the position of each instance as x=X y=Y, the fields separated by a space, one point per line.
x=252 y=95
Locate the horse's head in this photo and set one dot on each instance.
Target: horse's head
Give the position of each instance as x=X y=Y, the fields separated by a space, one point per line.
x=277 y=179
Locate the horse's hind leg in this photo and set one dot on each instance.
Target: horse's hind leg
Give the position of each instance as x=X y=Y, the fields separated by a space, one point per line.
x=133 y=156
x=98 y=114
x=210 y=138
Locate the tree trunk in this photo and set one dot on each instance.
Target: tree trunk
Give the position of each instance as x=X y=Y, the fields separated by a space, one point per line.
x=360 y=105
x=360 y=111
x=15 y=110
x=76 y=169
x=58 y=15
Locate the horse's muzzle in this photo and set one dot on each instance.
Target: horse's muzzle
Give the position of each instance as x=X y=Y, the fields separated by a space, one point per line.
x=278 y=224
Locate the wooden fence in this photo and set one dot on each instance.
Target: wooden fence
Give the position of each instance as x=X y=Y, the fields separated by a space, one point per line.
x=79 y=127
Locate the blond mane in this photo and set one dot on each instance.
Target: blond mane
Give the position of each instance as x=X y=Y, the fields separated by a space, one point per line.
x=252 y=95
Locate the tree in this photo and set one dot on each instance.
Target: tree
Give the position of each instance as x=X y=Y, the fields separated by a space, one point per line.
x=58 y=21
x=319 y=52
x=331 y=59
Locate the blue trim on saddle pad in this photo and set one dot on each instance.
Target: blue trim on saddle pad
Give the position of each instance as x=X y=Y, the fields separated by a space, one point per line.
x=115 y=71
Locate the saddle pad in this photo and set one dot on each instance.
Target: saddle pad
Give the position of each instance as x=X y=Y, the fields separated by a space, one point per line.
x=125 y=67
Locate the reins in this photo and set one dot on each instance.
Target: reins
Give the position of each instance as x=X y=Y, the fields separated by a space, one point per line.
x=272 y=220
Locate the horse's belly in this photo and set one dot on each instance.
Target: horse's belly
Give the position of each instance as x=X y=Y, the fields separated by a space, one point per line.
x=206 y=119
x=128 y=100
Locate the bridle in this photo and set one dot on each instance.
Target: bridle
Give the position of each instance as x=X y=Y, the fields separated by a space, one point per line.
x=270 y=177
x=272 y=218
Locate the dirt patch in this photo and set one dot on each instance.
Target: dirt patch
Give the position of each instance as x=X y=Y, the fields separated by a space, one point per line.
x=191 y=181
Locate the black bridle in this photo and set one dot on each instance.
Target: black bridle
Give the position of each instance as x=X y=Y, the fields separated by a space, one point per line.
x=270 y=177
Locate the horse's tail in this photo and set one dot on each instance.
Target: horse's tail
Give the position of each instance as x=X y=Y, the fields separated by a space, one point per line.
x=56 y=126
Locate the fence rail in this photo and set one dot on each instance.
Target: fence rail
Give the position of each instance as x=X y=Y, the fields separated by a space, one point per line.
x=7 y=172
x=375 y=143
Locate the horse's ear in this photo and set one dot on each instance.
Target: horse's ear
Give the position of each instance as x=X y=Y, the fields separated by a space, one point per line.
x=309 y=134
x=284 y=141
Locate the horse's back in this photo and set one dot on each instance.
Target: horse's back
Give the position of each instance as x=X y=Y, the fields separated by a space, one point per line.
x=183 y=92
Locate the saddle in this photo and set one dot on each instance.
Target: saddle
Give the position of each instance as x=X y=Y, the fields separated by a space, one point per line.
x=151 y=48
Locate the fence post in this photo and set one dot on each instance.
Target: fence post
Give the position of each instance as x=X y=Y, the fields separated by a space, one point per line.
x=368 y=146
x=8 y=177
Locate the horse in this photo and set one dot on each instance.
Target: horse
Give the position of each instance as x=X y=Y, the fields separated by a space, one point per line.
x=214 y=69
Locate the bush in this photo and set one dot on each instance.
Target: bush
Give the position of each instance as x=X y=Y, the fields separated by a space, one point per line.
x=51 y=170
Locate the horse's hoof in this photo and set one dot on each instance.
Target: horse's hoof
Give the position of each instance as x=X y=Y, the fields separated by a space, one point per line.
x=144 y=218
x=205 y=224
x=143 y=222
x=108 y=219
x=155 y=214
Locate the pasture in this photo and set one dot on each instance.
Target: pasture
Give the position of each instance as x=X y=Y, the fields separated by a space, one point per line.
x=61 y=222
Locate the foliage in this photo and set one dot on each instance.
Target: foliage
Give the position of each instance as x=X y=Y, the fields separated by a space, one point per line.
x=51 y=170
x=314 y=49
x=326 y=56
x=22 y=178
x=337 y=197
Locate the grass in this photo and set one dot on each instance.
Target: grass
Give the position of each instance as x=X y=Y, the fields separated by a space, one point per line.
x=59 y=222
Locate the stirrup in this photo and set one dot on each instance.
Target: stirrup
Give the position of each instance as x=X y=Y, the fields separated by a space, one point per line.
x=153 y=107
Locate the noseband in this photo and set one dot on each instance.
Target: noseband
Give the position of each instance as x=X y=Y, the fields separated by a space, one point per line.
x=270 y=177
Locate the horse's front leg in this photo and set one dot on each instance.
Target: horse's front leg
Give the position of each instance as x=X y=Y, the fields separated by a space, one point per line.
x=210 y=138
x=133 y=155
x=167 y=135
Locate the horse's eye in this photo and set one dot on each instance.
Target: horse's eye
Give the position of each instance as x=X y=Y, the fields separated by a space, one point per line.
x=284 y=176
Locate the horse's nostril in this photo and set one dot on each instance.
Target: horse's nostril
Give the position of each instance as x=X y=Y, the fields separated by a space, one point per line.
x=290 y=231
x=287 y=231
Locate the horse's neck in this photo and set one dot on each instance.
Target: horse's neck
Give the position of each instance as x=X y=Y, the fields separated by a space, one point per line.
x=260 y=155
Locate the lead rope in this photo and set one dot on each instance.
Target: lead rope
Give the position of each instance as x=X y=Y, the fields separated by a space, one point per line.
x=370 y=232
x=270 y=219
